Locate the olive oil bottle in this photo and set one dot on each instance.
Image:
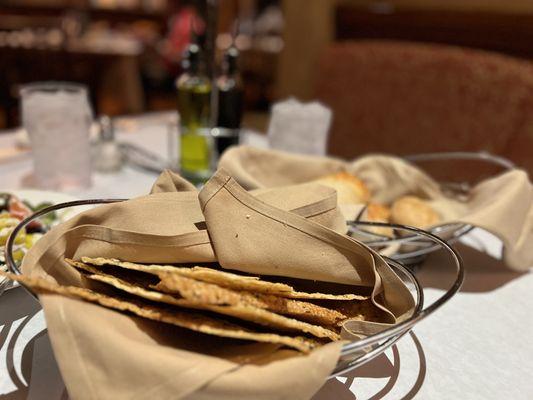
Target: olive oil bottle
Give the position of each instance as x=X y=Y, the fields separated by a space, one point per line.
x=194 y=106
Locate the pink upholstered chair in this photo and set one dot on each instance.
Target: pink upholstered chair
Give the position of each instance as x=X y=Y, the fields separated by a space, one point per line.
x=406 y=98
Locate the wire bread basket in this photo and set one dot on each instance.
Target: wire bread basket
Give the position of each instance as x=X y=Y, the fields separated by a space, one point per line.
x=356 y=353
x=412 y=249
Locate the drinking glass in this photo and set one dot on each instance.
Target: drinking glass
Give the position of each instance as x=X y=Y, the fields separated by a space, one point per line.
x=299 y=127
x=57 y=117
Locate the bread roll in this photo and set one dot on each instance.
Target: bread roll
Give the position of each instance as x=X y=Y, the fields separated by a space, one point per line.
x=378 y=213
x=350 y=190
x=413 y=211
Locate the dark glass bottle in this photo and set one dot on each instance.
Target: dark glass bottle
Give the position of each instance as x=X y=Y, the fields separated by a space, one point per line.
x=229 y=101
x=194 y=106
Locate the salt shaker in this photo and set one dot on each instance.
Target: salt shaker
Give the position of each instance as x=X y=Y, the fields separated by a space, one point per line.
x=108 y=157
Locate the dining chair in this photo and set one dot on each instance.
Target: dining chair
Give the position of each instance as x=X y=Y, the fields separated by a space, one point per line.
x=404 y=98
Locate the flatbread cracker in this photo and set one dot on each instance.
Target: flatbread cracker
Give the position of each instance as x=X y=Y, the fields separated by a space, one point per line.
x=214 y=294
x=205 y=296
x=193 y=321
x=222 y=278
x=302 y=310
x=360 y=311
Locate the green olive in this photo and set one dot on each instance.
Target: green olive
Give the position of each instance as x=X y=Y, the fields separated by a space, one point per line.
x=18 y=255
x=5 y=232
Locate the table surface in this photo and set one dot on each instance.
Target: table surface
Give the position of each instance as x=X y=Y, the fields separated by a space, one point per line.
x=478 y=346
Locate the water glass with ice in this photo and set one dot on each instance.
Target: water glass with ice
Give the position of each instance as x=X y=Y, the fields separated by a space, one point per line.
x=57 y=117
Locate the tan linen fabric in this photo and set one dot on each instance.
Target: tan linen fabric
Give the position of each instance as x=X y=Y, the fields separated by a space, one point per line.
x=502 y=205
x=289 y=231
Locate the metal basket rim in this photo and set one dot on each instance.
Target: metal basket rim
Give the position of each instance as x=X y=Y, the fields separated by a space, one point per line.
x=391 y=334
x=394 y=333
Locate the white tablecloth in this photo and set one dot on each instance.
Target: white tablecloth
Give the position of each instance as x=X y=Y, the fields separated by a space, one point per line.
x=478 y=346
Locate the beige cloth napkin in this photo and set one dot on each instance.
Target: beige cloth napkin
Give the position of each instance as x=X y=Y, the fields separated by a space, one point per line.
x=289 y=231
x=502 y=205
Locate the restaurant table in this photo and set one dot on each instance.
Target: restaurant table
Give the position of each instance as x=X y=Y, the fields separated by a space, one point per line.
x=477 y=346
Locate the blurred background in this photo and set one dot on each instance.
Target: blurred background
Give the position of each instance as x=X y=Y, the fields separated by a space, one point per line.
x=128 y=52
x=362 y=58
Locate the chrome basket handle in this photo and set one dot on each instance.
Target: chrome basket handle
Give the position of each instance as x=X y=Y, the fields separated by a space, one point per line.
x=464 y=187
x=463 y=155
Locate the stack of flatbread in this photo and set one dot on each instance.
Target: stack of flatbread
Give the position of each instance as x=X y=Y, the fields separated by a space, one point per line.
x=209 y=300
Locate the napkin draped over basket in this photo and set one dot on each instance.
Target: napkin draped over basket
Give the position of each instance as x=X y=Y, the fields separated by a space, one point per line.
x=502 y=205
x=292 y=231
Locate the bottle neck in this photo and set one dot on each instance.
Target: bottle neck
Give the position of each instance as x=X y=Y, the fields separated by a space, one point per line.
x=194 y=68
x=229 y=65
x=193 y=62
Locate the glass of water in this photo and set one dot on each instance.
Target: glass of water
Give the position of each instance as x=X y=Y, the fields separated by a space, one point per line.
x=57 y=117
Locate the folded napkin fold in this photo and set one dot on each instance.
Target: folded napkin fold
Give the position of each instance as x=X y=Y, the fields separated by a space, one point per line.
x=502 y=205
x=291 y=231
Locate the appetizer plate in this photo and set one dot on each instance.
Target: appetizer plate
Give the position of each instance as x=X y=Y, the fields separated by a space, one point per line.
x=36 y=197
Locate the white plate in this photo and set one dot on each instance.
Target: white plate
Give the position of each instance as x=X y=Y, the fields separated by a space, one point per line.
x=35 y=197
